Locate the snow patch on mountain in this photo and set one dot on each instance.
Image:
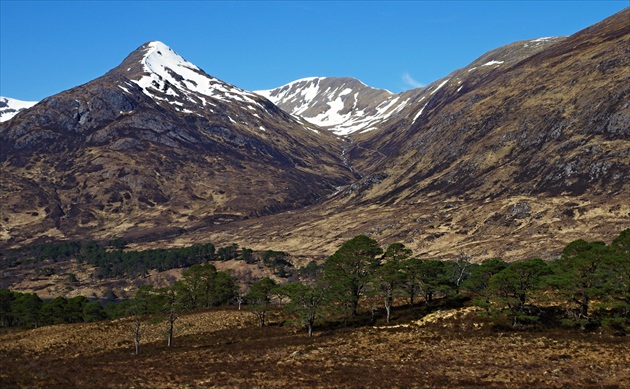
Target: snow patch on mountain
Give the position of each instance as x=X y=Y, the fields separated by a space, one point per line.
x=421 y=110
x=493 y=62
x=542 y=41
x=301 y=93
x=440 y=86
x=546 y=38
x=10 y=107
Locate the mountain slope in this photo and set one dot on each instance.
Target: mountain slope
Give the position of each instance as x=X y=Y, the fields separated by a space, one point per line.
x=347 y=106
x=555 y=122
x=154 y=147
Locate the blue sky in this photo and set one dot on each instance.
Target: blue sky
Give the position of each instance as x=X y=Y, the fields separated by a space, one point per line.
x=50 y=46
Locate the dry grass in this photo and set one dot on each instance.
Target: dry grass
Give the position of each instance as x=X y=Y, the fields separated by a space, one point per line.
x=432 y=228
x=224 y=348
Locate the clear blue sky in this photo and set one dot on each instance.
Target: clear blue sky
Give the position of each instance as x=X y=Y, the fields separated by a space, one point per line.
x=50 y=46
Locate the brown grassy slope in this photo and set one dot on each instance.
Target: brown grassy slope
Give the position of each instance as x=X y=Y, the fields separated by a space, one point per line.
x=555 y=123
x=225 y=349
x=432 y=227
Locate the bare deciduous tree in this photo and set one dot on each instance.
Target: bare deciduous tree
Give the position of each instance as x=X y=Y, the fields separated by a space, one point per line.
x=136 y=328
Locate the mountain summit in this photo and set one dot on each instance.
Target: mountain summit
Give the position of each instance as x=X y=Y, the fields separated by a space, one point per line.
x=10 y=107
x=167 y=76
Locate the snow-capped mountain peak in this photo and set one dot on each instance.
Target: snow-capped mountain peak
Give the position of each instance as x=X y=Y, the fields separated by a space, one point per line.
x=341 y=104
x=169 y=77
x=301 y=92
x=10 y=107
x=161 y=60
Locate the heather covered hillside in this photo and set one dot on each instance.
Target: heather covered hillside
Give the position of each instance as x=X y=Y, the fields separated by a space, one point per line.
x=220 y=348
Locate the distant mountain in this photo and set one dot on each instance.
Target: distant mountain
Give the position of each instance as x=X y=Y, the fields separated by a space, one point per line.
x=10 y=107
x=343 y=105
x=156 y=147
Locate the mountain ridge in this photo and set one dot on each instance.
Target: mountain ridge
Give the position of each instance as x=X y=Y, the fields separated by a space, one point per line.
x=348 y=106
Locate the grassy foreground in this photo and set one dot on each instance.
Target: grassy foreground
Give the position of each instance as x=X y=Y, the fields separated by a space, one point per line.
x=225 y=348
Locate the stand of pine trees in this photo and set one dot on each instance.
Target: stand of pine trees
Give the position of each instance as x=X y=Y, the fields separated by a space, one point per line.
x=587 y=287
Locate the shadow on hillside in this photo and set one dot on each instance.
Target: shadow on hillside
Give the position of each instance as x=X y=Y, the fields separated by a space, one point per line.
x=402 y=314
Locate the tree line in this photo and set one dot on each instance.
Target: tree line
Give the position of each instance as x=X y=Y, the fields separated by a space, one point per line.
x=113 y=260
x=587 y=287
x=201 y=286
x=27 y=310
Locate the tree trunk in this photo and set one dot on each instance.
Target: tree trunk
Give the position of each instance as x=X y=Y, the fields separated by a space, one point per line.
x=356 y=295
x=261 y=319
x=354 y=305
x=137 y=332
x=137 y=336
x=171 y=321
x=388 y=307
x=584 y=308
